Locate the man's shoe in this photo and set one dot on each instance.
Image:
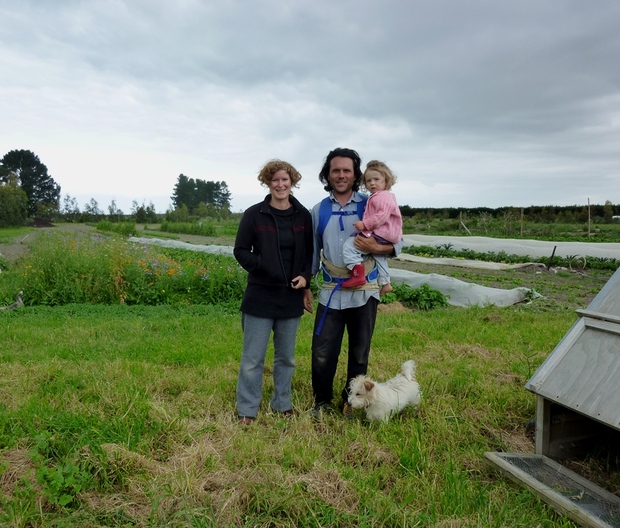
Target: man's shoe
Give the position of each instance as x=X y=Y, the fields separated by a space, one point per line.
x=318 y=410
x=347 y=412
x=358 y=277
x=245 y=420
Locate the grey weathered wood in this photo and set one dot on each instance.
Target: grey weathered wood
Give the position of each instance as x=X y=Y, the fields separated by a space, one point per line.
x=562 y=504
x=598 y=315
x=543 y=425
x=582 y=373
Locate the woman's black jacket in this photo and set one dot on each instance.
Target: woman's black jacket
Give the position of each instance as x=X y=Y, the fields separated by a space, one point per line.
x=257 y=247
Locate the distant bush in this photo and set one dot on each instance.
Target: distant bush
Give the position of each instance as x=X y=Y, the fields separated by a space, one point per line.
x=189 y=228
x=125 y=229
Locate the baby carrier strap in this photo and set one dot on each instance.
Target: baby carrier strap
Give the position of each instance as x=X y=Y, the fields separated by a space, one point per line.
x=326 y=212
x=334 y=276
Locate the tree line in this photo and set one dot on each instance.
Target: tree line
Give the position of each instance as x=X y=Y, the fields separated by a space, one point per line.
x=539 y=214
x=28 y=191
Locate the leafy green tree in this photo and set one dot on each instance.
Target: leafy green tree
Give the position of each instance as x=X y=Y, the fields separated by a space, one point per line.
x=191 y=193
x=70 y=209
x=185 y=193
x=92 y=211
x=32 y=177
x=143 y=214
x=115 y=214
x=222 y=196
x=213 y=193
x=13 y=203
x=180 y=214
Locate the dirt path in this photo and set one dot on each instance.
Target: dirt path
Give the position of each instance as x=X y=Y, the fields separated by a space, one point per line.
x=21 y=245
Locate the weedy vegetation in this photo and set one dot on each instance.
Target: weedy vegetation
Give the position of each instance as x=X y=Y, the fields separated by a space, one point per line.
x=117 y=402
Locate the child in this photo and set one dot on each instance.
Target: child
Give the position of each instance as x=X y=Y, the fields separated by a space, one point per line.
x=382 y=220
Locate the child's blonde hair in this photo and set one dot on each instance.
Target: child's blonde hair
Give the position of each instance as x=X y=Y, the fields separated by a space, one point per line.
x=382 y=169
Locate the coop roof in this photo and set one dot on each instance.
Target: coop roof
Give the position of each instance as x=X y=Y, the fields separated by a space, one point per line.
x=583 y=371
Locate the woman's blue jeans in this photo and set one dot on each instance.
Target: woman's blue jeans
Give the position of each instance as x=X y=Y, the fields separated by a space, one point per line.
x=256 y=334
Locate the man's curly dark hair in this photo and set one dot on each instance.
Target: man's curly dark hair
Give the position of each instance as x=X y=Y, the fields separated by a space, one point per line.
x=341 y=153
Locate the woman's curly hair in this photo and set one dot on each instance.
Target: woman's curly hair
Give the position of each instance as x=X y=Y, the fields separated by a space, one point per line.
x=271 y=167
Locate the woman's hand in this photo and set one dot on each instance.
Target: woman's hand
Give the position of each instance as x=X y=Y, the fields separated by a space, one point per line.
x=298 y=282
x=308 y=301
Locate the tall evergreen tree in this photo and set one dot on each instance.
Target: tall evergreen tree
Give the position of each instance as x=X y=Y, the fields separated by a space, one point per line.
x=222 y=195
x=185 y=193
x=191 y=193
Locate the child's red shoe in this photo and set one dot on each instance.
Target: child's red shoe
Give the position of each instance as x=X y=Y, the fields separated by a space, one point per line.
x=358 y=277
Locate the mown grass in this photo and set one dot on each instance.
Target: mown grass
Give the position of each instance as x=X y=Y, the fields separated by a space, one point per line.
x=141 y=402
x=124 y=415
x=8 y=234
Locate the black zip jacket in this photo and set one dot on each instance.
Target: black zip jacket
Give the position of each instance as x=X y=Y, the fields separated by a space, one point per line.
x=257 y=246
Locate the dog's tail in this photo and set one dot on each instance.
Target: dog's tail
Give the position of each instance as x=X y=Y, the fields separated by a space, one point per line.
x=408 y=369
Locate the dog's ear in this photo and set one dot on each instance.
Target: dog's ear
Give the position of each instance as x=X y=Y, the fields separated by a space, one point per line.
x=368 y=385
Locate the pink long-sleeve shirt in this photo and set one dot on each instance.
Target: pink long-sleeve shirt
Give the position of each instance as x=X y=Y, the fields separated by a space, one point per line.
x=382 y=217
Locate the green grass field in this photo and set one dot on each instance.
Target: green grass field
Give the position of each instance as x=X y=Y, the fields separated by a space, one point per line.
x=124 y=415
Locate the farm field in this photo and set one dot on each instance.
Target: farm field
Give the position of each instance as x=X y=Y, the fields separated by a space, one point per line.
x=124 y=415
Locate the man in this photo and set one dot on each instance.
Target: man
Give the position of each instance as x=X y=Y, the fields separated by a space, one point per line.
x=354 y=309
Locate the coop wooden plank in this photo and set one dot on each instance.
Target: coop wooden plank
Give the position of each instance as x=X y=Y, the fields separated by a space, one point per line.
x=599 y=315
x=585 y=377
x=607 y=301
x=605 y=326
x=558 y=502
x=553 y=359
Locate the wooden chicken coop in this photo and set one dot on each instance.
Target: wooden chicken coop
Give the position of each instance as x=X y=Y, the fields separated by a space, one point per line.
x=577 y=392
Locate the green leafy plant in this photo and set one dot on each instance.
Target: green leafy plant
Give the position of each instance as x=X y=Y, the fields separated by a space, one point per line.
x=125 y=229
x=422 y=298
x=60 y=483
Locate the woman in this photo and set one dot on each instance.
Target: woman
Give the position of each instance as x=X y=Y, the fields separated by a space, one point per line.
x=274 y=245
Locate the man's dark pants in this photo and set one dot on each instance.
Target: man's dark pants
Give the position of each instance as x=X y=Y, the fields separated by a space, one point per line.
x=360 y=325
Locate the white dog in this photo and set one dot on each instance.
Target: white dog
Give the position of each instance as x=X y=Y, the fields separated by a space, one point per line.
x=382 y=400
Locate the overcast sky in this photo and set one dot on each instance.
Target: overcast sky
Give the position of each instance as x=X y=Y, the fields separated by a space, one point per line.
x=472 y=103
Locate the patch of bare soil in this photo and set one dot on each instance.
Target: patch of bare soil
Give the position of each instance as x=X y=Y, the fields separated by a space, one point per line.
x=19 y=246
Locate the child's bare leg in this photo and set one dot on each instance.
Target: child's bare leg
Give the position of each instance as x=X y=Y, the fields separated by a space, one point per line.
x=386 y=288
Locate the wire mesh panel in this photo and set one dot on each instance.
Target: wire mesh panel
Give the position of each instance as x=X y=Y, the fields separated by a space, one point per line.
x=564 y=490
